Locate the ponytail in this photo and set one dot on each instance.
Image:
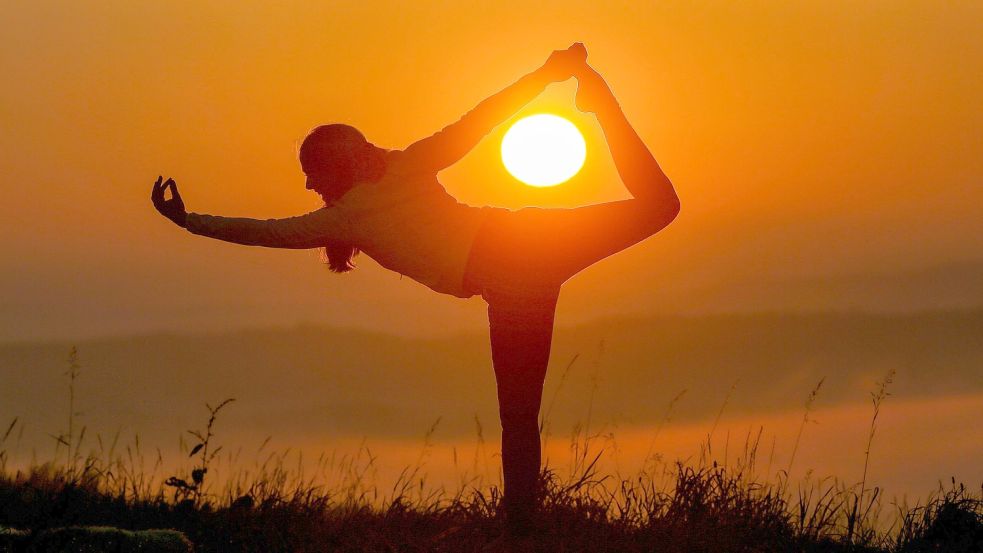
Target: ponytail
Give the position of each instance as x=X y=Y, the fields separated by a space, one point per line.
x=340 y=256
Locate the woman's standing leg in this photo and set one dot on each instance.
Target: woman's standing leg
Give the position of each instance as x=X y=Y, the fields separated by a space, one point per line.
x=521 y=330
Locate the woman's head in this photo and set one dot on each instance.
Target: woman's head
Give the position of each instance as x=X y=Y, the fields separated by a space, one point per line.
x=336 y=157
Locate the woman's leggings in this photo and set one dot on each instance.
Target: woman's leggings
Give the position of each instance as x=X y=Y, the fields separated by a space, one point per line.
x=518 y=262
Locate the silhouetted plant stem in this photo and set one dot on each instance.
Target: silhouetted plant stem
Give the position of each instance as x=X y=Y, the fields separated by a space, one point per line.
x=805 y=418
x=877 y=397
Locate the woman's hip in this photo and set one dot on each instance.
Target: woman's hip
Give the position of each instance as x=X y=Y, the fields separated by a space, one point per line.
x=507 y=264
x=530 y=252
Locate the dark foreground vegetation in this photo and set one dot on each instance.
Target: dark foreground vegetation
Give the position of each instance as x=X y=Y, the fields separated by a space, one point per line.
x=705 y=509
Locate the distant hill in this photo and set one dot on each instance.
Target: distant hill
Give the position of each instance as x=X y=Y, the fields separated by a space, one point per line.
x=310 y=380
x=408 y=308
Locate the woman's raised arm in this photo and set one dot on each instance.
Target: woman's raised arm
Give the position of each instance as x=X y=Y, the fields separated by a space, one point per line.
x=454 y=141
x=312 y=230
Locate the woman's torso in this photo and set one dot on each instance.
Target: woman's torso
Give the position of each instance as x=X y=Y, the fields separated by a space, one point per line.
x=408 y=223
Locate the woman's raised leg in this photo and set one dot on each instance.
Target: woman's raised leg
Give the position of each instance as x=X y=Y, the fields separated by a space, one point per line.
x=577 y=238
x=555 y=244
x=567 y=241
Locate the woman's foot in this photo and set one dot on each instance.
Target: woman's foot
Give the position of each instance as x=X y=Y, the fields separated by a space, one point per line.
x=593 y=93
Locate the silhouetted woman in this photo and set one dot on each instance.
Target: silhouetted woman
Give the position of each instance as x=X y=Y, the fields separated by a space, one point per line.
x=389 y=204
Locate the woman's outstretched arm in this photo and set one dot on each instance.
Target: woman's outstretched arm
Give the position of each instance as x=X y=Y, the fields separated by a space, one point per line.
x=312 y=230
x=453 y=142
x=636 y=165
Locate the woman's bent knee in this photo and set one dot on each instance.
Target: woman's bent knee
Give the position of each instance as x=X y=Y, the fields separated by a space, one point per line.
x=659 y=212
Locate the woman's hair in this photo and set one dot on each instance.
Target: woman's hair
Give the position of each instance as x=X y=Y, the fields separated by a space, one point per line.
x=343 y=155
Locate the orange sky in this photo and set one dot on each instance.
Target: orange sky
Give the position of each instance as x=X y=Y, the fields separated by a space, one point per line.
x=806 y=139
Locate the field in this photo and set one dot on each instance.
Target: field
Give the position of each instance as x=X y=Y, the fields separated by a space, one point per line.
x=282 y=499
x=684 y=508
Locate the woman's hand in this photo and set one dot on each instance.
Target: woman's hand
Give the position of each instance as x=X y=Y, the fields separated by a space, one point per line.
x=173 y=208
x=563 y=64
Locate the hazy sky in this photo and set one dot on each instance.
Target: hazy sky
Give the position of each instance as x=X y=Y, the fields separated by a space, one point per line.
x=811 y=143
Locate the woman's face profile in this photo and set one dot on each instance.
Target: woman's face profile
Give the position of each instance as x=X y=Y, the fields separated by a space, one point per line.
x=317 y=180
x=328 y=175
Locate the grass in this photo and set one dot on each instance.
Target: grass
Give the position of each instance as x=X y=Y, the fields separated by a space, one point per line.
x=283 y=504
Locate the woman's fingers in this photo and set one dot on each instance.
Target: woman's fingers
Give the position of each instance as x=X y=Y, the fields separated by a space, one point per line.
x=575 y=54
x=175 y=195
x=157 y=193
x=578 y=50
x=172 y=208
x=563 y=64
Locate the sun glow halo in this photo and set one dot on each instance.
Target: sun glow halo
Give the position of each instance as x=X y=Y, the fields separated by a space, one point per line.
x=543 y=150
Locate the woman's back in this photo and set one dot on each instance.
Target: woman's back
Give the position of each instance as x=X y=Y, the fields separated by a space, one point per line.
x=408 y=223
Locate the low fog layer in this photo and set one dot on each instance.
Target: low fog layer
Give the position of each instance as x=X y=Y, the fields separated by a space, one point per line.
x=332 y=383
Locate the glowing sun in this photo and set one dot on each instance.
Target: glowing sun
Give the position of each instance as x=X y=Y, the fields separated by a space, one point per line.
x=543 y=150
